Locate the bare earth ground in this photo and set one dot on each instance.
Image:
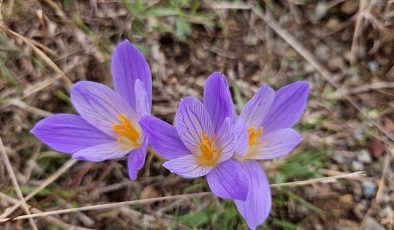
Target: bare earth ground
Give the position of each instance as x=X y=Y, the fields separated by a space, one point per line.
x=344 y=49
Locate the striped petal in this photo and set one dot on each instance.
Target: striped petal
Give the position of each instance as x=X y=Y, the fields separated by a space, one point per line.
x=128 y=65
x=192 y=122
x=68 y=133
x=217 y=99
x=187 y=166
x=99 y=105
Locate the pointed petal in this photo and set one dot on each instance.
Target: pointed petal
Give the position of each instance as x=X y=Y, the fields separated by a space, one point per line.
x=186 y=166
x=128 y=65
x=226 y=140
x=99 y=105
x=242 y=139
x=217 y=99
x=68 y=133
x=257 y=206
x=192 y=121
x=257 y=108
x=277 y=144
x=142 y=103
x=136 y=160
x=102 y=152
x=227 y=180
x=289 y=105
x=163 y=138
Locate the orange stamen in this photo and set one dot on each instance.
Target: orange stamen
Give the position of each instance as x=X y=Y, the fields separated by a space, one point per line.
x=209 y=156
x=126 y=132
x=254 y=135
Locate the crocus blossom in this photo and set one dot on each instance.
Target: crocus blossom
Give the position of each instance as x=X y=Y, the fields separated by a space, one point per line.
x=107 y=125
x=264 y=132
x=202 y=142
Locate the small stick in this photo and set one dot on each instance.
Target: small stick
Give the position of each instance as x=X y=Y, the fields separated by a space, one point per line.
x=49 y=219
x=200 y=194
x=386 y=164
x=331 y=179
x=15 y=183
x=48 y=181
x=357 y=30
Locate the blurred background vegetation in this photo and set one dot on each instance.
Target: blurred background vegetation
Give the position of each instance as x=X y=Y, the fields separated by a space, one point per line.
x=44 y=44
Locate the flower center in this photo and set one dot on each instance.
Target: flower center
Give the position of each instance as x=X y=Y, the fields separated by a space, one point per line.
x=127 y=133
x=254 y=135
x=209 y=156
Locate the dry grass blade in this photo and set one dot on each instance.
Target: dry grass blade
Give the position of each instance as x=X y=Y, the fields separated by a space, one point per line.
x=293 y=42
x=15 y=182
x=49 y=219
x=107 y=206
x=386 y=165
x=48 y=181
x=357 y=30
x=66 y=80
x=332 y=179
x=22 y=105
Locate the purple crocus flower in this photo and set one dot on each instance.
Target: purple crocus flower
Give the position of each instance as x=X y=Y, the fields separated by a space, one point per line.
x=107 y=127
x=202 y=141
x=264 y=132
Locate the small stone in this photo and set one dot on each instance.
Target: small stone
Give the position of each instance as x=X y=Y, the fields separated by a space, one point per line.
x=359 y=210
x=347 y=198
x=369 y=189
x=385 y=199
x=373 y=66
x=357 y=166
x=149 y=192
x=364 y=156
x=371 y=223
x=349 y=7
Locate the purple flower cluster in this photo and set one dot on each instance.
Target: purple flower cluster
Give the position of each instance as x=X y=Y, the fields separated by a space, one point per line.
x=208 y=138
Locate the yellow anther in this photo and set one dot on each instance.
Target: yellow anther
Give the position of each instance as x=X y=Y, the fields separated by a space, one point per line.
x=209 y=156
x=254 y=135
x=126 y=132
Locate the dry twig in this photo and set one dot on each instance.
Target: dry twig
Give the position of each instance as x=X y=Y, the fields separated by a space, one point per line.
x=15 y=183
x=156 y=199
x=48 y=181
x=49 y=61
x=49 y=219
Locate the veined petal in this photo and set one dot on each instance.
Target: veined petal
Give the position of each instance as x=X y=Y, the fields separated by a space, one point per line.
x=163 y=138
x=226 y=140
x=228 y=180
x=187 y=166
x=99 y=105
x=68 y=133
x=136 y=160
x=217 y=99
x=242 y=139
x=102 y=152
x=128 y=65
x=257 y=108
x=276 y=144
x=288 y=106
x=192 y=122
x=257 y=206
x=142 y=103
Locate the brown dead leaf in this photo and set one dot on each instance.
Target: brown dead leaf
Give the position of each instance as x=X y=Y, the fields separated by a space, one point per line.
x=376 y=147
x=388 y=123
